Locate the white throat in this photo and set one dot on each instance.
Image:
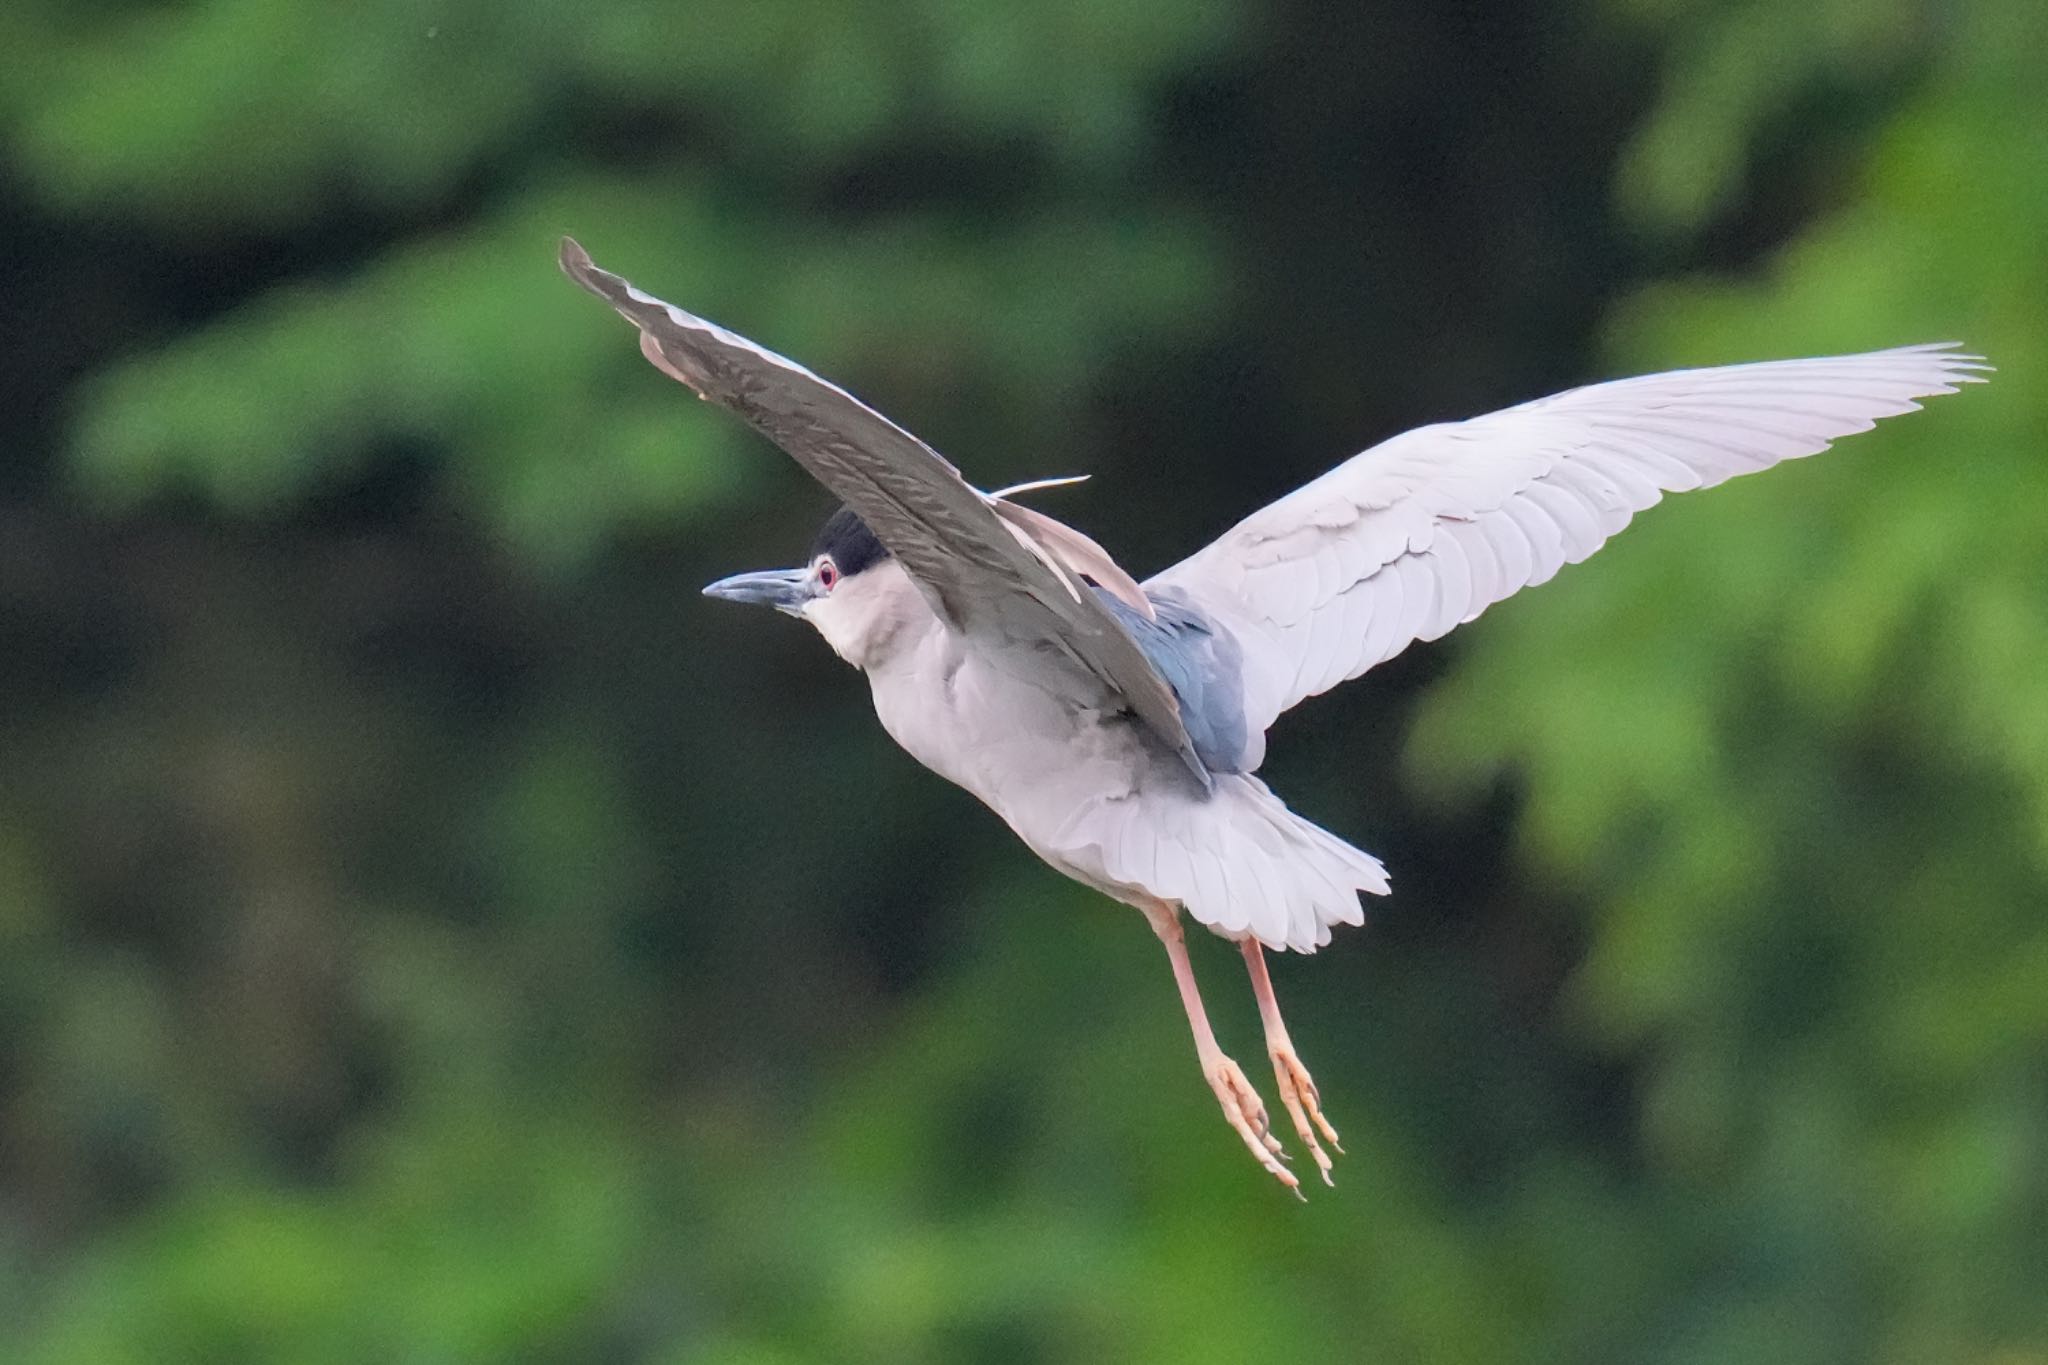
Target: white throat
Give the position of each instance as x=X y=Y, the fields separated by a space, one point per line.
x=868 y=617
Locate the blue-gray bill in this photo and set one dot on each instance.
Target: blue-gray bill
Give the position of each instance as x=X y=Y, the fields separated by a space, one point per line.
x=786 y=590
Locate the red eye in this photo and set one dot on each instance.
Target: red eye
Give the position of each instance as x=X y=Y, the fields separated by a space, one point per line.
x=828 y=574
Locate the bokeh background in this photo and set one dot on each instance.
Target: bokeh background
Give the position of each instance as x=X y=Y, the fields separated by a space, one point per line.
x=429 y=932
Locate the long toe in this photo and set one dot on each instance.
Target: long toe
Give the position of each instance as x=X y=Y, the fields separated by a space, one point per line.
x=1246 y=1113
x=1304 y=1106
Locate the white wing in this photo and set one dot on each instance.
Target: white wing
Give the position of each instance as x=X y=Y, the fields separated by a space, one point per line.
x=1428 y=529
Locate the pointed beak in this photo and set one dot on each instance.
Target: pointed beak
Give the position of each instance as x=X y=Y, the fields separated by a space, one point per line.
x=786 y=590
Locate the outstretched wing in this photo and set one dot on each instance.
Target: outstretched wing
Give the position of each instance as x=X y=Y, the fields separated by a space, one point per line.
x=987 y=567
x=1428 y=529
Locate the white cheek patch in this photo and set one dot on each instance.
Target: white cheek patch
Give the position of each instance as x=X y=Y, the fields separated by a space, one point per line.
x=839 y=619
x=860 y=616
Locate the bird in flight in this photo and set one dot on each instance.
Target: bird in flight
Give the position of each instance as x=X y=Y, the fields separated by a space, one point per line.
x=1118 y=726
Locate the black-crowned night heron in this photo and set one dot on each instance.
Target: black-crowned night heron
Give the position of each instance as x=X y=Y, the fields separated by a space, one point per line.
x=1116 y=726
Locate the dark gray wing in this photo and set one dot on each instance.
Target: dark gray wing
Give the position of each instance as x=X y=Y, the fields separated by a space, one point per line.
x=944 y=532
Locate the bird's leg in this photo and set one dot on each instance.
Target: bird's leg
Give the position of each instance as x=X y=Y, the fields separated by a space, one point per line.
x=1242 y=1107
x=1297 y=1088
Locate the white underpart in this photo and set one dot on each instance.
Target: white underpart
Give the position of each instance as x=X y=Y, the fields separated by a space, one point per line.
x=1080 y=785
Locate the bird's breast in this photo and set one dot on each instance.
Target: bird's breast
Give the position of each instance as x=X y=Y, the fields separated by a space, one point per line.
x=983 y=722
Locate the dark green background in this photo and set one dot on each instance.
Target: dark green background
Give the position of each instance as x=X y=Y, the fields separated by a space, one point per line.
x=429 y=932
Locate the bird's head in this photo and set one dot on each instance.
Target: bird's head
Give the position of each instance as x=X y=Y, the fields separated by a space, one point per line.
x=852 y=589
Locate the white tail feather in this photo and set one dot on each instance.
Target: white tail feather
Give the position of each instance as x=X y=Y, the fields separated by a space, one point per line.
x=1239 y=862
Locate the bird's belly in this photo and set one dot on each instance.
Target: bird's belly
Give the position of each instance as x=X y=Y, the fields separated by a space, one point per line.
x=1030 y=753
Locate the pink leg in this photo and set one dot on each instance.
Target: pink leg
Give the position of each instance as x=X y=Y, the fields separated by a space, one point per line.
x=1241 y=1104
x=1297 y=1088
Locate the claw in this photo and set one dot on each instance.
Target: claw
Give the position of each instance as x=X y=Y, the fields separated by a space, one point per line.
x=1304 y=1106
x=1246 y=1112
x=1297 y=1087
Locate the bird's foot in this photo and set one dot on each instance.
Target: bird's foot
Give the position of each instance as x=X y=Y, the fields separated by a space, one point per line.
x=1305 y=1107
x=1246 y=1112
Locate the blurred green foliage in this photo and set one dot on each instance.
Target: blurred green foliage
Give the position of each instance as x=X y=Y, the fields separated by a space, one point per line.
x=428 y=933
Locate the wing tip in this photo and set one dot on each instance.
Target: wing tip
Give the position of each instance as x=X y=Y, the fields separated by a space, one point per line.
x=578 y=266
x=574 y=259
x=1958 y=363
